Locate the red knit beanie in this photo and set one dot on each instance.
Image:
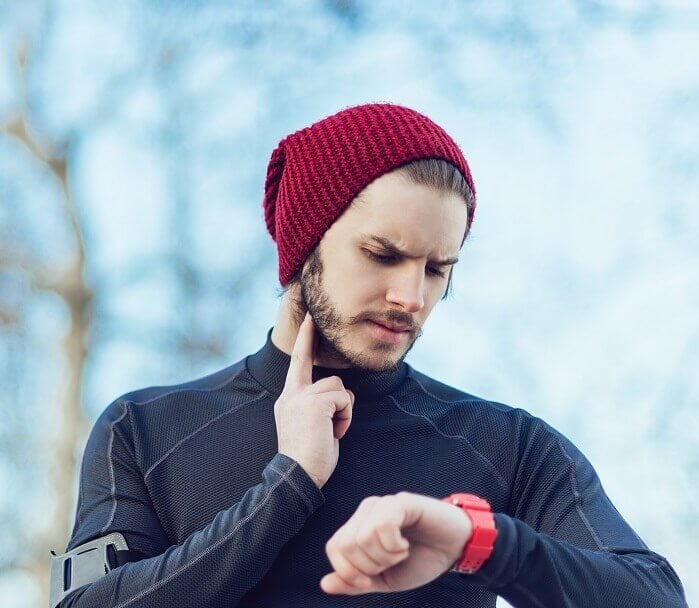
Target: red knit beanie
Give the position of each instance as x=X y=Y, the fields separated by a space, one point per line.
x=316 y=172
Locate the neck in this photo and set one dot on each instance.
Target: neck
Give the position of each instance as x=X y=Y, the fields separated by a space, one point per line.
x=286 y=328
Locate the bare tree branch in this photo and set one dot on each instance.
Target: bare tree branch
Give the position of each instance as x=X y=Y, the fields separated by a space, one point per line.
x=71 y=287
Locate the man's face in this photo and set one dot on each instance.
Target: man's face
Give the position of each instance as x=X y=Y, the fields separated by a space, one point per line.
x=379 y=264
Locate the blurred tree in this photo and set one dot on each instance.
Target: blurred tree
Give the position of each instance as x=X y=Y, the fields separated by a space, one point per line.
x=68 y=283
x=43 y=459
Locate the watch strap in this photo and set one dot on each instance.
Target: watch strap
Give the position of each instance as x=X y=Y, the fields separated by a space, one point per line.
x=483 y=534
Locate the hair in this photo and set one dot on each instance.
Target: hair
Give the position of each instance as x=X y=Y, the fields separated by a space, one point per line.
x=441 y=175
x=434 y=173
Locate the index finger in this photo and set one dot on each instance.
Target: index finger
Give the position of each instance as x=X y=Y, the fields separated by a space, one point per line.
x=300 y=372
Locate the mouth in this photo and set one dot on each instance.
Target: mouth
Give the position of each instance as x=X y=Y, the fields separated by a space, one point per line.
x=387 y=333
x=393 y=326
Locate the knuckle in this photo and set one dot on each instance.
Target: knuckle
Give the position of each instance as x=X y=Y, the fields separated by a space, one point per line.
x=385 y=527
x=331 y=547
x=365 y=537
x=347 y=573
x=336 y=543
x=369 y=500
x=333 y=551
x=309 y=389
x=335 y=381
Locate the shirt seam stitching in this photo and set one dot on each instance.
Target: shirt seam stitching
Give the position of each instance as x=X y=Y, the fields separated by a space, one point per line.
x=193 y=561
x=187 y=388
x=491 y=466
x=201 y=428
x=578 y=498
x=309 y=504
x=81 y=501
x=411 y=375
x=112 y=477
x=271 y=390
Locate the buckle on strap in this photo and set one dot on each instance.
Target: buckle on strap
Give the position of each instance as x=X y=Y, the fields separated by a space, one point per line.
x=82 y=565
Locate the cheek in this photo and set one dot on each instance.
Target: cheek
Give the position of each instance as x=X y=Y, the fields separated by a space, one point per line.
x=431 y=301
x=434 y=291
x=352 y=282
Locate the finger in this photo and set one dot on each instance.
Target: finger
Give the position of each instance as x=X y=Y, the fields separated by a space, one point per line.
x=330 y=383
x=369 y=557
x=338 y=402
x=346 y=571
x=300 y=371
x=392 y=539
x=383 y=526
x=343 y=418
x=377 y=544
x=339 y=409
x=340 y=543
x=334 y=584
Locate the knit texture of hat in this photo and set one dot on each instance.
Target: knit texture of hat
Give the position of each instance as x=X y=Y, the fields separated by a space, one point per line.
x=315 y=173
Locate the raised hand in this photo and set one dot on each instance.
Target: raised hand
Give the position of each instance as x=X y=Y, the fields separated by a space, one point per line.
x=395 y=543
x=311 y=417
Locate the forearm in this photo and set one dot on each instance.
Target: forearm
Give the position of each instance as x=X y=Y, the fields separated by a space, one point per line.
x=531 y=569
x=220 y=563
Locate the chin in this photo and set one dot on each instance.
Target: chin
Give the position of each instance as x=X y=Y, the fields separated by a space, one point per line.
x=383 y=358
x=378 y=364
x=355 y=347
x=383 y=363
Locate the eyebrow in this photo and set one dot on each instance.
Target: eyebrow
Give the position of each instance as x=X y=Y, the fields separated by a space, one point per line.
x=394 y=249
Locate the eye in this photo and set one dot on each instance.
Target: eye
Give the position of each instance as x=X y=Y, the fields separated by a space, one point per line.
x=436 y=272
x=381 y=259
x=391 y=259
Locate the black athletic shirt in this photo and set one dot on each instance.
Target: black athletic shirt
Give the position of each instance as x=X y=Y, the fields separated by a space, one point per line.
x=215 y=516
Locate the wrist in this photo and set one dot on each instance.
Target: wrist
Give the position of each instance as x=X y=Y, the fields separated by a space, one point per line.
x=318 y=482
x=481 y=540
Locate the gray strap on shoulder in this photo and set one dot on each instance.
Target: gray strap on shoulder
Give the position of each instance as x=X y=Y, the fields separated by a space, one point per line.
x=82 y=565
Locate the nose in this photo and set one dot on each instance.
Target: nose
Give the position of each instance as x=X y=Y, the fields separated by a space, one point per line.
x=407 y=290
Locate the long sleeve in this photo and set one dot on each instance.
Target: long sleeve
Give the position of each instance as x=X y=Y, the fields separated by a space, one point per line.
x=565 y=544
x=214 y=566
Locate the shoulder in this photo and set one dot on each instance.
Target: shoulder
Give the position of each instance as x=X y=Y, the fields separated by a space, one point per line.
x=161 y=402
x=210 y=382
x=480 y=411
x=440 y=392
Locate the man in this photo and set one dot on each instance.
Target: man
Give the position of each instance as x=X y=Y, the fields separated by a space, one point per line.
x=323 y=466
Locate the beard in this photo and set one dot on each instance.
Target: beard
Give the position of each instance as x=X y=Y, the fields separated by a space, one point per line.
x=332 y=329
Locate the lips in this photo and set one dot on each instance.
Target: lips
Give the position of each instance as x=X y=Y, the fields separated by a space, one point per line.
x=393 y=326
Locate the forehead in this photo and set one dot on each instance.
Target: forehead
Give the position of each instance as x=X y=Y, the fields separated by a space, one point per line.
x=416 y=217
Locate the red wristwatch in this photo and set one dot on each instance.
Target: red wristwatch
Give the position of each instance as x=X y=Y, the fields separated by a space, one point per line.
x=480 y=545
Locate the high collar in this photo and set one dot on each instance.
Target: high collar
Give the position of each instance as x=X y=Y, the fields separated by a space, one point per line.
x=269 y=367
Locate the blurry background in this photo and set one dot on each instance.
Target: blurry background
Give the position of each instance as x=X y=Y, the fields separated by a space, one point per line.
x=134 y=139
